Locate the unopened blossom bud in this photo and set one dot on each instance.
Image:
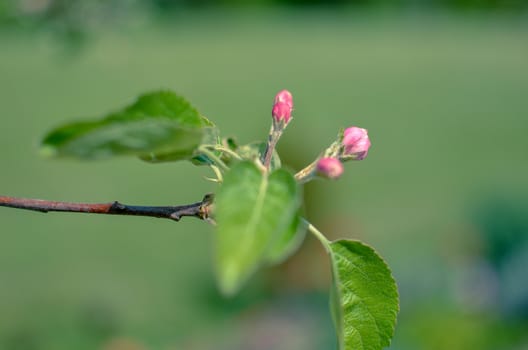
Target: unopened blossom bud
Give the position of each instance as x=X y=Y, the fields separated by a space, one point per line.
x=356 y=143
x=331 y=168
x=284 y=96
x=281 y=112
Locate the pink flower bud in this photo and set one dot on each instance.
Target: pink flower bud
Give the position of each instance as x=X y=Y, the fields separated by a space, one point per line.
x=331 y=168
x=281 y=112
x=284 y=96
x=356 y=143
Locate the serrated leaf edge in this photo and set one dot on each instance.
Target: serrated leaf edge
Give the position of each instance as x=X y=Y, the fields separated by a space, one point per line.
x=336 y=280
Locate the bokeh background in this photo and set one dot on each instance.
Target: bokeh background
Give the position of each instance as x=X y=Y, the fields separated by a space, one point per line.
x=442 y=87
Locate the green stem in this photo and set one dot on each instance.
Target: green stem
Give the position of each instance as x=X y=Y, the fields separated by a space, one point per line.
x=227 y=151
x=306 y=174
x=218 y=162
x=218 y=173
x=273 y=138
x=313 y=230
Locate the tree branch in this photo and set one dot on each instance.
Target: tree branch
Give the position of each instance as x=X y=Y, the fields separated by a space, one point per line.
x=200 y=210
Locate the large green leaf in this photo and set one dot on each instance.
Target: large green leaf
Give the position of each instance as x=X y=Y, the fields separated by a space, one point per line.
x=288 y=241
x=364 y=297
x=253 y=210
x=159 y=126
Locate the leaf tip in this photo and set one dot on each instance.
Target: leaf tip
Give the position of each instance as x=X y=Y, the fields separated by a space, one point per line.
x=228 y=280
x=48 y=151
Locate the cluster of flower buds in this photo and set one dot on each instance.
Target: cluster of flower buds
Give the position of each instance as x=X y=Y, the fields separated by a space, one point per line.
x=352 y=144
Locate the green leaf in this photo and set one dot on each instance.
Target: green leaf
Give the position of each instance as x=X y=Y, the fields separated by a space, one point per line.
x=364 y=297
x=288 y=241
x=159 y=126
x=252 y=210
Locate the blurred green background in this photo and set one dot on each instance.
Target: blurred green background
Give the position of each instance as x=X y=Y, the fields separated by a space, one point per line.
x=442 y=87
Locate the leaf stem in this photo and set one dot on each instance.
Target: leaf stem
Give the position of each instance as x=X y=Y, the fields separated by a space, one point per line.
x=218 y=162
x=226 y=150
x=313 y=230
x=218 y=173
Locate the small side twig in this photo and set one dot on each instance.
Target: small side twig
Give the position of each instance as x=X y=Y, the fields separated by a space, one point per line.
x=200 y=210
